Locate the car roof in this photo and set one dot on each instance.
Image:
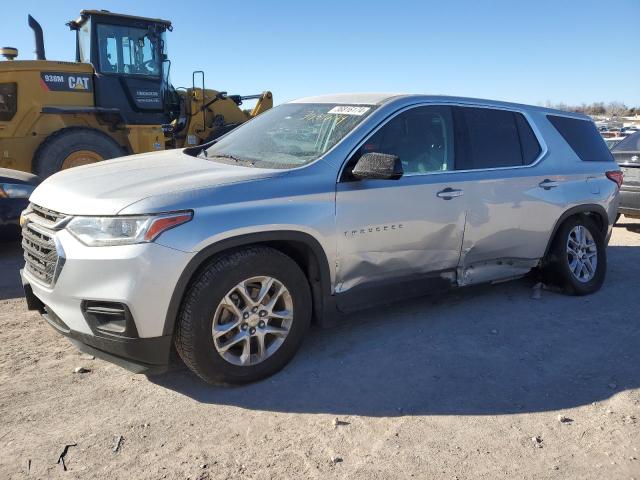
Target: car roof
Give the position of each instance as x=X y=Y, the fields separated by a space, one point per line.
x=383 y=98
x=350 y=98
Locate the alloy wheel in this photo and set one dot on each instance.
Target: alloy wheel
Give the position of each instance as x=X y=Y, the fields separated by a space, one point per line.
x=252 y=320
x=582 y=254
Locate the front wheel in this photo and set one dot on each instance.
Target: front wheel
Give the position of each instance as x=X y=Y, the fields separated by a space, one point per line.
x=244 y=316
x=578 y=258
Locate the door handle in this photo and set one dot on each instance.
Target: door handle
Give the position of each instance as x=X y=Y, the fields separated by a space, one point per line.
x=449 y=193
x=548 y=184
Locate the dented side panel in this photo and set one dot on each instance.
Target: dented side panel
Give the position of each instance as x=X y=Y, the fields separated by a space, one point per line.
x=396 y=228
x=509 y=216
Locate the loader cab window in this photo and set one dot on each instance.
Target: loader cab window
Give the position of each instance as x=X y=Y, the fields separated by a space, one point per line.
x=128 y=50
x=84 y=43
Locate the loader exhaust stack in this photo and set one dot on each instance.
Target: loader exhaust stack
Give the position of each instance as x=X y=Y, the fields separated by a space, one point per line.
x=39 y=38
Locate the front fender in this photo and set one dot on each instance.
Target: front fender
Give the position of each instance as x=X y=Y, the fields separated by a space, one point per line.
x=240 y=240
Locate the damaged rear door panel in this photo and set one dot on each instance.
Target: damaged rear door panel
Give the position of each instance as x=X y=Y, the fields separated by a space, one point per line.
x=513 y=195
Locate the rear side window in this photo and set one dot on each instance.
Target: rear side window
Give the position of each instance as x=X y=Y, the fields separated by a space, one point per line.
x=528 y=141
x=492 y=138
x=583 y=138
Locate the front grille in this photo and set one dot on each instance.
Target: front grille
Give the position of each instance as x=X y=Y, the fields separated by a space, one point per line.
x=40 y=253
x=41 y=256
x=47 y=217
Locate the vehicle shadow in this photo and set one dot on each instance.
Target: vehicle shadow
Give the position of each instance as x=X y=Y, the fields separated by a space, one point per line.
x=11 y=262
x=484 y=350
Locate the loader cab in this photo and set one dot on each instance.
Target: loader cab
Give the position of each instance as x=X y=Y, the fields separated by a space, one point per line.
x=129 y=57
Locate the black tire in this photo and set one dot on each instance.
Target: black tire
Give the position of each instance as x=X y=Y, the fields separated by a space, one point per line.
x=51 y=154
x=193 y=337
x=559 y=272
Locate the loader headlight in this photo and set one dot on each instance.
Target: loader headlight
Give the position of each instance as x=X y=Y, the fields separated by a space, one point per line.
x=108 y=231
x=8 y=101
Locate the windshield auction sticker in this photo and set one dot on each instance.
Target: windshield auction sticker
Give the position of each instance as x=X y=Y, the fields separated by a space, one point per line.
x=349 y=110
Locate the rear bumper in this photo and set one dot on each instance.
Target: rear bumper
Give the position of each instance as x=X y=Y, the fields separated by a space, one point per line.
x=138 y=355
x=630 y=200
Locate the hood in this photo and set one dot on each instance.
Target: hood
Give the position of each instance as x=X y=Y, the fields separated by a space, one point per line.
x=107 y=187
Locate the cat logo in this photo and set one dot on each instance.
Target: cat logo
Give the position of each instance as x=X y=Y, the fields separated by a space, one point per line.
x=65 y=82
x=79 y=83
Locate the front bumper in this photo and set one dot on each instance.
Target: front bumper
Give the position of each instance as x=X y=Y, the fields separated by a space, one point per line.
x=140 y=277
x=139 y=355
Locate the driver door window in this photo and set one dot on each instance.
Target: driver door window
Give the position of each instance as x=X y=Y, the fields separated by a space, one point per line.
x=422 y=137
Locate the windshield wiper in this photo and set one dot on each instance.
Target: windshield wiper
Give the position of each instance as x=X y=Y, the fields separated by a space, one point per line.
x=203 y=153
x=238 y=160
x=227 y=155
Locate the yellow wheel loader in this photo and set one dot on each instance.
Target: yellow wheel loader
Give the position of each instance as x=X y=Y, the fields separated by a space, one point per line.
x=116 y=99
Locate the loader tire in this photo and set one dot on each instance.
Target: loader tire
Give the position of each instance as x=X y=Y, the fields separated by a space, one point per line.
x=72 y=147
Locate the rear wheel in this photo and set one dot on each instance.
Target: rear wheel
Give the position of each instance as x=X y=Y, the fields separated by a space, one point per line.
x=244 y=316
x=578 y=260
x=73 y=147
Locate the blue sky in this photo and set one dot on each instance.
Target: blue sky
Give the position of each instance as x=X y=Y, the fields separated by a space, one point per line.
x=570 y=51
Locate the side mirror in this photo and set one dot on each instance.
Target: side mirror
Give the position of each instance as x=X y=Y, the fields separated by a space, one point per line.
x=378 y=166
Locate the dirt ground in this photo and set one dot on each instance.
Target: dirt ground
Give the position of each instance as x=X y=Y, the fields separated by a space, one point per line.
x=467 y=385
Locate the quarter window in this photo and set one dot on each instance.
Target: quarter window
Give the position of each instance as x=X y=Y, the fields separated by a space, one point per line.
x=583 y=138
x=422 y=137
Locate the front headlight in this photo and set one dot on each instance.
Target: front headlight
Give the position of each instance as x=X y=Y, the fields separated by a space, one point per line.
x=16 y=190
x=107 y=231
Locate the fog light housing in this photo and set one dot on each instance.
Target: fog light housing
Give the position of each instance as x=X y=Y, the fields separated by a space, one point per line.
x=109 y=318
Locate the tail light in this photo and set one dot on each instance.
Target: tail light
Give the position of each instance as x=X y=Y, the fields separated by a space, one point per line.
x=615 y=176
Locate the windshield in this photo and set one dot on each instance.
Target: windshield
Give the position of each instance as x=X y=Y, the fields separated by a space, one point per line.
x=128 y=50
x=288 y=136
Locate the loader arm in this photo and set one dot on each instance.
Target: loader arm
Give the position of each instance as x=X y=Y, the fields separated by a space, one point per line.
x=265 y=102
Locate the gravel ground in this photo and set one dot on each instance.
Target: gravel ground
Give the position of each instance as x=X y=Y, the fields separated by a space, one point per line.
x=467 y=385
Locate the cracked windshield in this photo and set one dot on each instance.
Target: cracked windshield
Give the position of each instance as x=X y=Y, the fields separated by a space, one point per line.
x=288 y=136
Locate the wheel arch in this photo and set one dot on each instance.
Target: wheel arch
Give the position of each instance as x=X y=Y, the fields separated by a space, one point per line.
x=304 y=249
x=595 y=211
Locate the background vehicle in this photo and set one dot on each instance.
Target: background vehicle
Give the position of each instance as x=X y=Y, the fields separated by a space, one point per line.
x=15 y=188
x=611 y=142
x=317 y=207
x=627 y=154
x=115 y=100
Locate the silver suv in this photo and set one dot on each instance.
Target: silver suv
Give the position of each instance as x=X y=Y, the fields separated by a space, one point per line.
x=311 y=210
